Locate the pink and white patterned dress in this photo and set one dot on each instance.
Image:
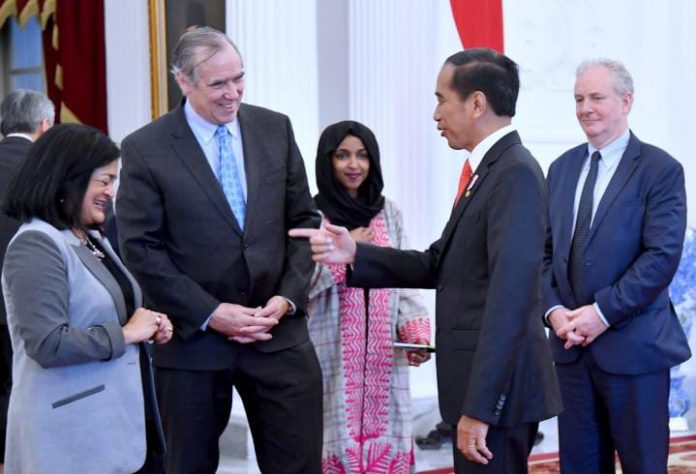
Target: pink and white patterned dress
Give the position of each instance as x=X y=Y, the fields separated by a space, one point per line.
x=367 y=404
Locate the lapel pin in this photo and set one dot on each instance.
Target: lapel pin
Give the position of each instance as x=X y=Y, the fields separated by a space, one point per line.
x=471 y=185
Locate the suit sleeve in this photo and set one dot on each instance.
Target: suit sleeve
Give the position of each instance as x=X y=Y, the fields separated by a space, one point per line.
x=550 y=296
x=515 y=245
x=141 y=226
x=36 y=288
x=650 y=274
x=385 y=267
x=300 y=211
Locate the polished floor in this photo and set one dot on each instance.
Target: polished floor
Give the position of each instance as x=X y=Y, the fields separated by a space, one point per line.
x=425 y=459
x=425 y=419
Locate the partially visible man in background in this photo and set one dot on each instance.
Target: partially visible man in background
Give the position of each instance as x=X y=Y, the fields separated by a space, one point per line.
x=24 y=116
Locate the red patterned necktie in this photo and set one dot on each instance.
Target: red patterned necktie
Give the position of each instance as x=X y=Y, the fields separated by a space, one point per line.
x=464 y=179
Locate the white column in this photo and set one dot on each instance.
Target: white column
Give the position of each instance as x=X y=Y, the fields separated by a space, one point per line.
x=127 y=66
x=396 y=50
x=277 y=40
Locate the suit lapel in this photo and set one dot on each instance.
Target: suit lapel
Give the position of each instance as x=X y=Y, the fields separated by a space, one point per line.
x=458 y=211
x=100 y=272
x=253 y=162
x=568 y=185
x=627 y=165
x=187 y=149
x=481 y=172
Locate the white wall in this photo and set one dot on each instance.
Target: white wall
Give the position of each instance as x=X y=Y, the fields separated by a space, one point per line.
x=127 y=66
x=377 y=61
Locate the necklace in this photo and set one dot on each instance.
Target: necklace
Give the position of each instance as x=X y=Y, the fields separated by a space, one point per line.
x=84 y=238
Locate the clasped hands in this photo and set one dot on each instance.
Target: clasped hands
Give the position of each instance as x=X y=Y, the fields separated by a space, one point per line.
x=147 y=325
x=579 y=327
x=246 y=325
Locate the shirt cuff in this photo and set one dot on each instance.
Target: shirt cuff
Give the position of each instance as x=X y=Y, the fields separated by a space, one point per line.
x=292 y=308
x=549 y=311
x=599 y=313
x=204 y=326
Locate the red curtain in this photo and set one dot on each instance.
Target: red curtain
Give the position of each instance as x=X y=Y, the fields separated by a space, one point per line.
x=479 y=23
x=79 y=55
x=74 y=55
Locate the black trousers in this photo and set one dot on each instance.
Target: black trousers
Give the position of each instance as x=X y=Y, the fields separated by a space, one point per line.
x=5 y=384
x=510 y=447
x=282 y=396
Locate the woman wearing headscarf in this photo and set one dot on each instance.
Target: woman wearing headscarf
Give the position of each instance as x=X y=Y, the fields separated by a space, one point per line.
x=82 y=396
x=367 y=406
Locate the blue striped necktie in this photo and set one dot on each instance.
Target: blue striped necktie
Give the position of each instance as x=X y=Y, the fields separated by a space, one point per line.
x=230 y=180
x=582 y=231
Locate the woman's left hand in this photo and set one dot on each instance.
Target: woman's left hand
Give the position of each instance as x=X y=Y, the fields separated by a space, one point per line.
x=164 y=332
x=416 y=358
x=362 y=234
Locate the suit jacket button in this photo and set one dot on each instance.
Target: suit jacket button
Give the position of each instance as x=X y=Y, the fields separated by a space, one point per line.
x=440 y=287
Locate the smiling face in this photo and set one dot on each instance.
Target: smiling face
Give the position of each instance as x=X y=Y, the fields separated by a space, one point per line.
x=600 y=109
x=351 y=164
x=99 y=193
x=217 y=94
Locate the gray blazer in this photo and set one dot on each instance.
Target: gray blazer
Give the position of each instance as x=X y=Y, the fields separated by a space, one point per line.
x=77 y=397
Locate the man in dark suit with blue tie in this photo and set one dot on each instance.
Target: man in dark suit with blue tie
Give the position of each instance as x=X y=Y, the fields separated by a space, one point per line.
x=207 y=193
x=617 y=219
x=24 y=116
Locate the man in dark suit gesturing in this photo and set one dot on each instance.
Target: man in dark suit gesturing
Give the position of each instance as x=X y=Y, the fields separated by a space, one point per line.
x=207 y=193
x=618 y=216
x=495 y=376
x=24 y=116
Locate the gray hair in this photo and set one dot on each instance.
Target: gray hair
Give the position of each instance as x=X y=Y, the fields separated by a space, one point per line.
x=22 y=111
x=623 y=82
x=195 y=47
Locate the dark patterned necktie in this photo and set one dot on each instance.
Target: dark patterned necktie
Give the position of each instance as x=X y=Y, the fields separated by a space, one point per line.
x=582 y=230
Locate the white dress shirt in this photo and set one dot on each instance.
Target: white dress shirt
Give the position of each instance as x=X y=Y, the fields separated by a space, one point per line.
x=486 y=144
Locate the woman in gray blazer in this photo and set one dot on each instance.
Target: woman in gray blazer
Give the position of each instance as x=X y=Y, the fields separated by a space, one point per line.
x=82 y=381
